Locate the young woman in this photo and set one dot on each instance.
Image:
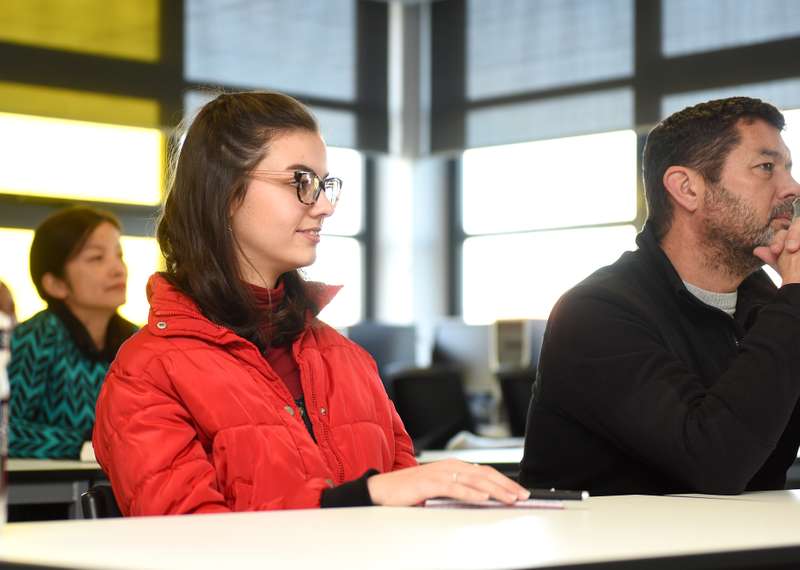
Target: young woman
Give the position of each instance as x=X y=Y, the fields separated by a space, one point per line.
x=60 y=356
x=234 y=397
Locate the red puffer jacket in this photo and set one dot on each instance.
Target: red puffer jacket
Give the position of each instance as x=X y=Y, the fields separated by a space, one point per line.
x=192 y=419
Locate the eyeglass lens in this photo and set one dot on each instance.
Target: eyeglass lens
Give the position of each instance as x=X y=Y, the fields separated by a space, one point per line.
x=310 y=187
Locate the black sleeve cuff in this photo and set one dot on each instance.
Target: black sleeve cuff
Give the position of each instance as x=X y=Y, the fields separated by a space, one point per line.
x=790 y=292
x=351 y=494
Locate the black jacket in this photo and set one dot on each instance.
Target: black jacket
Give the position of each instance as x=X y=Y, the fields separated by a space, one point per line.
x=642 y=388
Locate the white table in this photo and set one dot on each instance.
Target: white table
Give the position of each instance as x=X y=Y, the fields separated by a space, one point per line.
x=40 y=481
x=631 y=531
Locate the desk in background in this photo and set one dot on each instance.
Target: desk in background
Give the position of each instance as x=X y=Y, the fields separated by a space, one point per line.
x=51 y=481
x=504 y=459
x=634 y=531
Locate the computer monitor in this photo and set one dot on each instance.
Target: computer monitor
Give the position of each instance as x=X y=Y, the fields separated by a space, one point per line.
x=516 y=343
x=468 y=347
x=392 y=346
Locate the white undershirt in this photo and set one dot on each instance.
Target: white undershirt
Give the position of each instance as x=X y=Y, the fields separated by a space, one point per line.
x=725 y=302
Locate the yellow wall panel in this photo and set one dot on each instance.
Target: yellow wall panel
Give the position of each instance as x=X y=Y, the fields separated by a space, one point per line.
x=127 y=29
x=25 y=99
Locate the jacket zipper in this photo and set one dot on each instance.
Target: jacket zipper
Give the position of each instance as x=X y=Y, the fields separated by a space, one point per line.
x=325 y=432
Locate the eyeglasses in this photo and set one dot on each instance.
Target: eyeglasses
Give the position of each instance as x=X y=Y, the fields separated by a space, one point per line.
x=309 y=185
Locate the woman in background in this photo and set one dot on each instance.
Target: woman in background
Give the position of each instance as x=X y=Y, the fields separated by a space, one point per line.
x=60 y=356
x=235 y=397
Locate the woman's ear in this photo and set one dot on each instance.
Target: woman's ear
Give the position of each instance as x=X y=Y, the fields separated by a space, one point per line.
x=685 y=186
x=55 y=287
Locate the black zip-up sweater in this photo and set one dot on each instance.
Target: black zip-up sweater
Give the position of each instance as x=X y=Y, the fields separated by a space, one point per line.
x=642 y=388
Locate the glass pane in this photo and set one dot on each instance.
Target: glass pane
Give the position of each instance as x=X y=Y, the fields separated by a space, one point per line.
x=338 y=127
x=304 y=48
x=80 y=160
x=784 y=94
x=548 y=184
x=519 y=45
x=25 y=99
x=348 y=165
x=113 y=28
x=791 y=134
x=15 y=271
x=143 y=258
x=141 y=255
x=523 y=275
x=692 y=26
x=595 y=112
x=339 y=262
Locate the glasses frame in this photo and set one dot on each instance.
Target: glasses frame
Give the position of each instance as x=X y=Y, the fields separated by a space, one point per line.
x=322 y=184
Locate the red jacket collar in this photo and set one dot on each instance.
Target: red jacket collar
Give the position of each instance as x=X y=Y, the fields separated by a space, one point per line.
x=167 y=303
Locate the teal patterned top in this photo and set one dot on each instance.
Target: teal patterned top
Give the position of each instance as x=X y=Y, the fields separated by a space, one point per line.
x=54 y=387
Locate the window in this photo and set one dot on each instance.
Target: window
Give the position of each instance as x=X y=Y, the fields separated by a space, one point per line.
x=594 y=112
x=573 y=181
x=59 y=158
x=340 y=253
x=518 y=45
x=512 y=267
x=522 y=275
x=791 y=134
x=692 y=26
x=304 y=48
x=783 y=93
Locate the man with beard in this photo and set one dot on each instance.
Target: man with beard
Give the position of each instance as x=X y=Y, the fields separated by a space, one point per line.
x=677 y=368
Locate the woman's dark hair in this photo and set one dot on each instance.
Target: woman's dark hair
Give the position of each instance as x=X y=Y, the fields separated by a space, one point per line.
x=59 y=238
x=209 y=175
x=700 y=137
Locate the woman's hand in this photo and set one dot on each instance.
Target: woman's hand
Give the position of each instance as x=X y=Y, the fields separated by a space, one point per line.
x=448 y=478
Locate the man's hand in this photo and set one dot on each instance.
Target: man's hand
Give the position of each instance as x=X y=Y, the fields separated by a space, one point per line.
x=782 y=254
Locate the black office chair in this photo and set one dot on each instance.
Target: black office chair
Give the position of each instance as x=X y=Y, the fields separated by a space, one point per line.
x=516 y=386
x=432 y=404
x=99 y=503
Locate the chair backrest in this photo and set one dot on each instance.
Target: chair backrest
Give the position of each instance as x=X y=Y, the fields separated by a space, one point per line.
x=432 y=404
x=535 y=334
x=516 y=382
x=99 y=503
x=517 y=386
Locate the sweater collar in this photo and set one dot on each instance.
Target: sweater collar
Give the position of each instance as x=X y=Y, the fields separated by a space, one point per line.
x=756 y=290
x=117 y=331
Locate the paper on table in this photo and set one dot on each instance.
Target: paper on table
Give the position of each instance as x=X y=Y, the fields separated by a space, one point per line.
x=491 y=504
x=87 y=452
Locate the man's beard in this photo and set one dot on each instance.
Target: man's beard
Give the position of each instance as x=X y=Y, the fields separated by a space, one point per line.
x=732 y=232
